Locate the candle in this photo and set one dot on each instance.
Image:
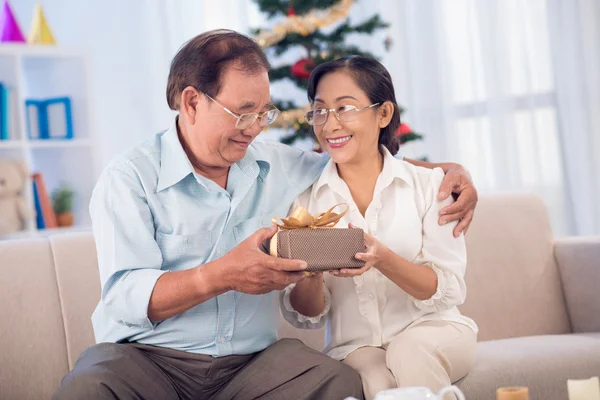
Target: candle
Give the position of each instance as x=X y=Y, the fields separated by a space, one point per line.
x=584 y=389
x=512 y=393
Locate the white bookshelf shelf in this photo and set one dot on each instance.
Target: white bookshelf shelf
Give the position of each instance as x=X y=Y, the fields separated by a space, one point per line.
x=18 y=49
x=42 y=72
x=11 y=144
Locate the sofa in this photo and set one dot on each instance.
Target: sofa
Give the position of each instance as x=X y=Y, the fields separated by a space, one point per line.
x=534 y=298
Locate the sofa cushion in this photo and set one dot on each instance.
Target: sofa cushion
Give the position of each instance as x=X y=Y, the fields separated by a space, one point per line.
x=542 y=363
x=580 y=271
x=513 y=284
x=79 y=288
x=33 y=356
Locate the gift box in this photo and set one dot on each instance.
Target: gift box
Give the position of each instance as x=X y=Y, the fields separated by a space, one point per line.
x=315 y=240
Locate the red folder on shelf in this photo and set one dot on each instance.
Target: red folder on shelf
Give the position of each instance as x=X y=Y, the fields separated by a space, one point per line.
x=45 y=202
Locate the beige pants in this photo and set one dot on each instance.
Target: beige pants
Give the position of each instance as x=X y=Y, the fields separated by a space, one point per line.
x=433 y=354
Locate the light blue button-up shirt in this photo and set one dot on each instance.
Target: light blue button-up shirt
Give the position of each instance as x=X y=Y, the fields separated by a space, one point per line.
x=151 y=213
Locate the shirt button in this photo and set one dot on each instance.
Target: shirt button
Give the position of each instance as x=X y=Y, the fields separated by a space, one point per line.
x=222 y=340
x=371 y=296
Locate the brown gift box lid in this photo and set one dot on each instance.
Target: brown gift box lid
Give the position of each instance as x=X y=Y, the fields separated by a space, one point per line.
x=322 y=248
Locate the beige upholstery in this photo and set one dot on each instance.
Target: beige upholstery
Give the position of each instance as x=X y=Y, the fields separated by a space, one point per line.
x=542 y=363
x=49 y=288
x=580 y=272
x=33 y=355
x=513 y=282
x=79 y=288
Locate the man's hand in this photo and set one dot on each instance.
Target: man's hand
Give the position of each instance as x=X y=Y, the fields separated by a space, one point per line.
x=249 y=270
x=458 y=180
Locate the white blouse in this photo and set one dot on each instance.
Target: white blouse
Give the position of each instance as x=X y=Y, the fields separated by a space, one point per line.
x=370 y=310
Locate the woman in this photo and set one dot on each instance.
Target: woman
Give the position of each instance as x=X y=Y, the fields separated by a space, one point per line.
x=395 y=320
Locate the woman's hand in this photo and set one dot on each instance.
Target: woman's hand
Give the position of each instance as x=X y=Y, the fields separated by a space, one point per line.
x=375 y=254
x=307 y=295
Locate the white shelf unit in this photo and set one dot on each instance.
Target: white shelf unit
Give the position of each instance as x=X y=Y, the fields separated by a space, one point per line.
x=39 y=72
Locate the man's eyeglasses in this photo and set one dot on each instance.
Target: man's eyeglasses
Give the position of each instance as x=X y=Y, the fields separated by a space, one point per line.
x=245 y=121
x=343 y=114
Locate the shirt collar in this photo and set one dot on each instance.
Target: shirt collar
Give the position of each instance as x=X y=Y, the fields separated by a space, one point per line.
x=253 y=159
x=392 y=168
x=175 y=164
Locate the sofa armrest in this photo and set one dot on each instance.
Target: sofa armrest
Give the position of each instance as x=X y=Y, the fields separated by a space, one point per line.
x=579 y=265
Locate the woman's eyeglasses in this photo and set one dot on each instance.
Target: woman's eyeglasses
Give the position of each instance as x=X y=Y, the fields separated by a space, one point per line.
x=343 y=114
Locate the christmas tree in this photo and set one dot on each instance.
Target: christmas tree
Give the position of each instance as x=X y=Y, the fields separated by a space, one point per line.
x=301 y=23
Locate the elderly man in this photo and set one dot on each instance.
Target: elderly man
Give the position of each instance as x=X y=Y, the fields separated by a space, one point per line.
x=188 y=307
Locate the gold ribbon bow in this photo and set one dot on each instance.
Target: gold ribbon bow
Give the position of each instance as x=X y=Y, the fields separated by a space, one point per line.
x=301 y=218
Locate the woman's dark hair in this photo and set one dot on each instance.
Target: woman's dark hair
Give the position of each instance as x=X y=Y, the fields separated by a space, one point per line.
x=374 y=79
x=202 y=61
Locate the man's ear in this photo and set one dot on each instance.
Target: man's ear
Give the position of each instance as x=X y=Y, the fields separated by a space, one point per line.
x=386 y=112
x=188 y=105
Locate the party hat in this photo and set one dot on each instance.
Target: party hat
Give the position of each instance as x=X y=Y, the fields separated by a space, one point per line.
x=40 y=32
x=9 y=28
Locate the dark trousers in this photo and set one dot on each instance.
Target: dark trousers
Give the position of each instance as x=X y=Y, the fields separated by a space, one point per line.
x=285 y=370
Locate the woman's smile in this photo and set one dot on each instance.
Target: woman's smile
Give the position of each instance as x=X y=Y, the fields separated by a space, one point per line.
x=338 y=141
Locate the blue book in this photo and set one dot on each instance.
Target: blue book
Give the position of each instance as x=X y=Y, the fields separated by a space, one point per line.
x=57 y=117
x=50 y=118
x=32 y=112
x=39 y=217
x=4 y=100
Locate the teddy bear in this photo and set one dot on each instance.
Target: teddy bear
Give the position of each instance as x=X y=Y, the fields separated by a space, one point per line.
x=14 y=211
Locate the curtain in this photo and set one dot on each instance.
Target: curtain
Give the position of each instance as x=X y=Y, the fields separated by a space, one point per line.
x=575 y=38
x=510 y=89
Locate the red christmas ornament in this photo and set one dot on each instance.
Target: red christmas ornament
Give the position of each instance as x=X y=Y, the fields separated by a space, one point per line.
x=403 y=129
x=303 y=68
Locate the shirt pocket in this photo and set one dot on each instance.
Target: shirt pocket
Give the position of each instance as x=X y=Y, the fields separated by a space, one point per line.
x=246 y=228
x=180 y=252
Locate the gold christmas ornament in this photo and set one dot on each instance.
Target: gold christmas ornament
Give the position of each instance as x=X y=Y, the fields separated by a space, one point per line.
x=304 y=24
